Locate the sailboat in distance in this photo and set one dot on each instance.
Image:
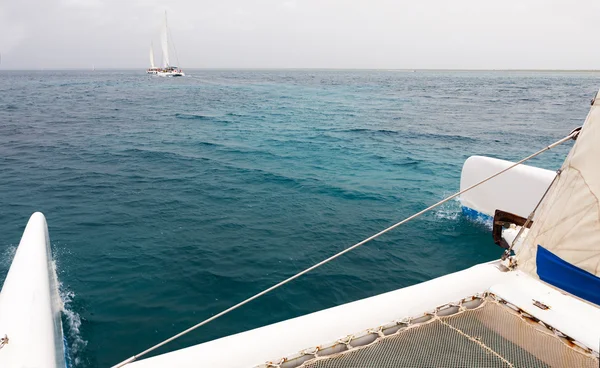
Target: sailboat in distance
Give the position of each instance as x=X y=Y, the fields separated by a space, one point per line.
x=167 y=70
x=153 y=69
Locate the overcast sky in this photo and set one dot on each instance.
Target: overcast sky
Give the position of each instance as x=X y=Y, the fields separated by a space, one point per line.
x=486 y=34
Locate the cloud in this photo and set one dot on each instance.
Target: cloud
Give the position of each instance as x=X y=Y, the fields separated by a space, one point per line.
x=311 y=33
x=86 y=4
x=14 y=34
x=290 y=4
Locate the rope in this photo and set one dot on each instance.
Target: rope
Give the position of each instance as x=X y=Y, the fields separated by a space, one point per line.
x=572 y=135
x=478 y=342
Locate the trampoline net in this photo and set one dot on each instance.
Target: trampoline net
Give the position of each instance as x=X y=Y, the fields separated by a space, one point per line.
x=490 y=335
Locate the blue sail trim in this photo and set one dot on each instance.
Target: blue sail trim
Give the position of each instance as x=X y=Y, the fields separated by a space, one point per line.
x=560 y=273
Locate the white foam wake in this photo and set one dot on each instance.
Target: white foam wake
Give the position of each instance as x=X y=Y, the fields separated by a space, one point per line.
x=74 y=342
x=452 y=210
x=449 y=210
x=7 y=256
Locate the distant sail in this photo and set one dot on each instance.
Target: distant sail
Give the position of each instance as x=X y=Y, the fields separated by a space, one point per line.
x=164 y=38
x=167 y=70
x=152 y=57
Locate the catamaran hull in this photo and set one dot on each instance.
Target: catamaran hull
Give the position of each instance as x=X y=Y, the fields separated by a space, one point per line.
x=516 y=191
x=30 y=306
x=170 y=74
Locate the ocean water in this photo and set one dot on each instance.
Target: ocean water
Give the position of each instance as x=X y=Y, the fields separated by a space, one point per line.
x=169 y=200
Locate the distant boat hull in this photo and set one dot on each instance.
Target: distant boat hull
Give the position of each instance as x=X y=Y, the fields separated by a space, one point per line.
x=171 y=74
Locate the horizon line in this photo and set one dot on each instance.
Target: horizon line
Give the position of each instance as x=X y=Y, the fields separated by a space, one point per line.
x=317 y=68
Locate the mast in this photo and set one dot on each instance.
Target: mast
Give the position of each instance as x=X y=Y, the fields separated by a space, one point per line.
x=152 y=56
x=164 y=38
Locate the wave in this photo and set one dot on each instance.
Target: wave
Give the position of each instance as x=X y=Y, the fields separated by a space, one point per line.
x=150 y=154
x=450 y=210
x=408 y=162
x=194 y=116
x=71 y=320
x=484 y=220
x=411 y=134
x=454 y=211
x=166 y=155
x=7 y=256
x=366 y=130
x=445 y=137
x=478 y=217
x=314 y=185
x=75 y=342
x=408 y=134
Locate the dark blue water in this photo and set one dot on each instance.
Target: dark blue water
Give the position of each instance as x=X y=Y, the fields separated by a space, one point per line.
x=169 y=200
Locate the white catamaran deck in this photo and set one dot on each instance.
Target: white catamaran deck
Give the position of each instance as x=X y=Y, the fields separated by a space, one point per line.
x=362 y=320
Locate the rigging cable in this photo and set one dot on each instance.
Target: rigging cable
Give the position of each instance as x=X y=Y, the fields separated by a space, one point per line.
x=572 y=135
x=170 y=36
x=507 y=253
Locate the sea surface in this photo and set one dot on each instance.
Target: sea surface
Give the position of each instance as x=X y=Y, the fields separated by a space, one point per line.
x=169 y=200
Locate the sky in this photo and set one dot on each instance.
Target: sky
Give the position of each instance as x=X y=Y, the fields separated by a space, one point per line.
x=373 y=34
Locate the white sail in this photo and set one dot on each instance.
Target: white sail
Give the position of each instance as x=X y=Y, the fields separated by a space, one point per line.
x=164 y=39
x=152 y=57
x=565 y=236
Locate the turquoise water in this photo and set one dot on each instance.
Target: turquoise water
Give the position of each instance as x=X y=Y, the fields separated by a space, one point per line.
x=169 y=200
